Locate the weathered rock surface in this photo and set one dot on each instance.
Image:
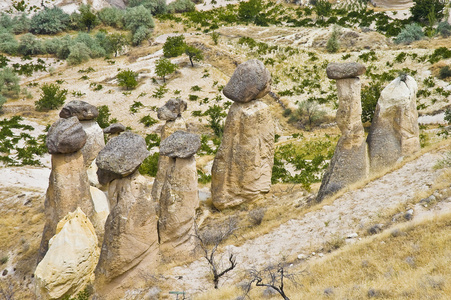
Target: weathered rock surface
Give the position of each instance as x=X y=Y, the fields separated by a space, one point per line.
x=94 y=142
x=243 y=164
x=68 y=189
x=180 y=144
x=114 y=128
x=394 y=132
x=172 y=109
x=80 y=109
x=345 y=70
x=66 y=136
x=121 y=156
x=177 y=208
x=101 y=209
x=129 y=252
x=71 y=259
x=163 y=161
x=350 y=162
x=250 y=81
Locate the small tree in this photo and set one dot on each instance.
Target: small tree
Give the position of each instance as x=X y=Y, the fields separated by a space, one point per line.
x=180 y=6
x=333 y=44
x=52 y=97
x=309 y=114
x=136 y=17
x=111 y=16
x=323 y=8
x=421 y=9
x=49 y=21
x=78 y=53
x=140 y=35
x=30 y=45
x=248 y=10
x=193 y=54
x=127 y=78
x=174 y=46
x=118 y=42
x=164 y=67
x=88 y=19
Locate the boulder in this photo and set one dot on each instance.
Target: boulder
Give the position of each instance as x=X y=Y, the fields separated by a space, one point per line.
x=163 y=161
x=177 y=209
x=129 y=254
x=121 y=156
x=71 y=259
x=94 y=142
x=345 y=70
x=250 y=81
x=80 y=109
x=68 y=189
x=394 y=132
x=172 y=109
x=180 y=144
x=114 y=128
x=66 y=136
x=243 y=164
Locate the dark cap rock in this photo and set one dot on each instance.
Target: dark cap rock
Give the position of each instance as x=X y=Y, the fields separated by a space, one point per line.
x=180 y=144
x=172 y=109
x=114 y=128
x=345 y=70
x=121 y=156
x=80 y=109
x=250 y=81
x=66 y=136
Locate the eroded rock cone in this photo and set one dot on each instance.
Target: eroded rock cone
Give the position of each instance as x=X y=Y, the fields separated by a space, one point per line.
x=129 y=252
x=242 y=166
x=179 y=196
x=80 y=109
x=350 y=162
x=121 y=156
x=394 y=132
x=71 y=259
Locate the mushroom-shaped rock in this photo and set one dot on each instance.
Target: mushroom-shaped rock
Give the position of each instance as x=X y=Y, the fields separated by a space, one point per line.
x=114 y=128
x=345 y=70
x=121 y=156
x=66 y=136
x=172 y=109
x=250 y=81
x=80 y=109
x=180 y=144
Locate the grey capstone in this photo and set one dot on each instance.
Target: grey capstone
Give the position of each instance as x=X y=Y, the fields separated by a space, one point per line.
x=345 y=70
x=80 y=109
x=121 y=156
x=250 y=81
x=180 y=144
x=66 y=136
x=172 y=109
x=114 y=128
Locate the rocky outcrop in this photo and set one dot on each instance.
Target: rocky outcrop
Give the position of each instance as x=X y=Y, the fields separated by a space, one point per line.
x=243 y=164
x=394 y=132
x=121 y=156
x=71 y=259
x=179 y=196
x=80 y=109
x=114 y=128
x=68 y=181
x=173 y=108
x=350 y=161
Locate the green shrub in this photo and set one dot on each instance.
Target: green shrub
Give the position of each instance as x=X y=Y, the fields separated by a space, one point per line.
x=333 y=44
x=30 y=45
x=2 y=101
x=308 y=114
x=215 y=37
x=444 y=29
x=141 y=34
x=369 y=97
x=64 y=47
x=422 y=8
x=150 y=165
x=180 y=6
x=9 y=43
x=9 y=82
x=6 y=21
x=52 y=97
x=164 y=67
x=51 y=46
x=127 y=79
x=174 y=46
x=448 y=116
x=148 y=121
x=248 y=11
x=216 y=119
x=111 y=16
x=445 y=72
x=438 y=54
x=49 y=21
x=78 y=53
x=412 y=32
x=103 y=119
x=156 y=7
x=21 y=24
x=136 y=17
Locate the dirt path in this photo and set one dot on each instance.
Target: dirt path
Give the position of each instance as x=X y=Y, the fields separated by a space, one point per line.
x=345 y=216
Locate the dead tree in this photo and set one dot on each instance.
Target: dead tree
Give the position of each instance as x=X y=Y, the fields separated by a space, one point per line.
x=271 y=277
x=209 y=241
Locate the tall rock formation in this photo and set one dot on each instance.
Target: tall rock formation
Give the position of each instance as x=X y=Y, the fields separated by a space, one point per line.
x=243 y=164
x=394 y=132
x=171 y=112
x=68 y=182
x=69 y=264
x=130 y=251
x=179 y=196
x=350 y=161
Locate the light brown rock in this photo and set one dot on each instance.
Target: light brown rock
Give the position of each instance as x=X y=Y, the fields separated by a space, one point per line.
x=177 y=208
x=129 y=252
x=71 y=259
x=394 y=132
x=243 y=164
x=68 y=189
x=94 y=142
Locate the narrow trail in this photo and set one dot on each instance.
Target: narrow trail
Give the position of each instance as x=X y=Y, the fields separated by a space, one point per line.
x=346 y=215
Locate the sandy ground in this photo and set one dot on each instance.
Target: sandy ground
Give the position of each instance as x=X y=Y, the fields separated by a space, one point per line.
x=346 y=216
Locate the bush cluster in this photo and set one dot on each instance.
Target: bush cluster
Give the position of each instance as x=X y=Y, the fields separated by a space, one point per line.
x=411 y=33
